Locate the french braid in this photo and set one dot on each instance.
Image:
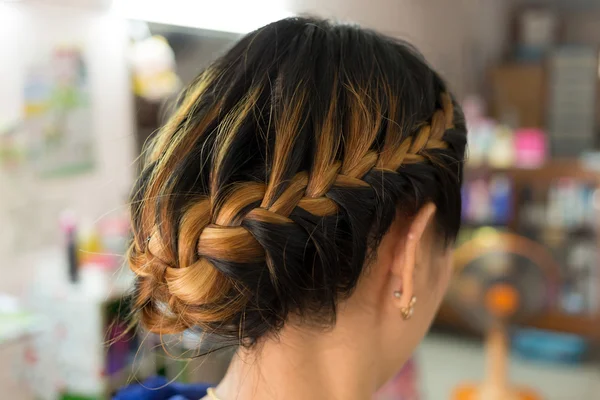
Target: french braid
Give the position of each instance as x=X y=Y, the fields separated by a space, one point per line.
x=220 y=245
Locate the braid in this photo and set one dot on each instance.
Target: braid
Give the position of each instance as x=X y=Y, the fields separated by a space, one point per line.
x=254 y=205
x=222 y=232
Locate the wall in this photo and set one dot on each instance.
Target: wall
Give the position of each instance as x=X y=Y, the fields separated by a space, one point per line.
x=200 y=50
x=578 y=18
x=460 y=38
x=582 y=27
x=26 y=31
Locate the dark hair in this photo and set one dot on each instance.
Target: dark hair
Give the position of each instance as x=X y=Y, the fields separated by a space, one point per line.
x=283 y=166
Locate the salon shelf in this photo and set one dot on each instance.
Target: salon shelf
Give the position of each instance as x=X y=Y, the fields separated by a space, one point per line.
x=545 y=174
x=582 y=324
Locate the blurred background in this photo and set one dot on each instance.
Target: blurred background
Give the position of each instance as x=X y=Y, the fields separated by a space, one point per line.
x=83 y=83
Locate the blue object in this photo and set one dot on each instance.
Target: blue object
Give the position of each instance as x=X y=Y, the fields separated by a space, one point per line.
x=530 y=54
x=159 y=388
x=500 y=194
x=548 y=346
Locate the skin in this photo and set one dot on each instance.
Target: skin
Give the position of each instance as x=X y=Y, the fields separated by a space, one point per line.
x=370 y=340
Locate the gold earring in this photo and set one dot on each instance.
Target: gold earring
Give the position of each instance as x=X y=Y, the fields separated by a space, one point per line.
x=407 y=312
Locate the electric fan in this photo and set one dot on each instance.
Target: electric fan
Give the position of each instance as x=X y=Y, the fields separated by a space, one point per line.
x=501 y=279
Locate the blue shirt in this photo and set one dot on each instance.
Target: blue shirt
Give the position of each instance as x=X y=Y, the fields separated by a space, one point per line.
x=159 y=388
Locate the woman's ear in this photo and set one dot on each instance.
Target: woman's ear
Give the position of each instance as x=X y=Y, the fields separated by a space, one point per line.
x=403 y=266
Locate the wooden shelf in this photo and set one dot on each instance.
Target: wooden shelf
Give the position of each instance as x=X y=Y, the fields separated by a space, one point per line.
x=584 y=325
x=547 y=173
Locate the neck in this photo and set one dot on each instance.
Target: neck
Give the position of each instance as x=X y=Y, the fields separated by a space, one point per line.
x=300 y=364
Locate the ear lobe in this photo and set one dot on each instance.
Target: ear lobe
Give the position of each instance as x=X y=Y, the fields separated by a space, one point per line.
x=404 y=265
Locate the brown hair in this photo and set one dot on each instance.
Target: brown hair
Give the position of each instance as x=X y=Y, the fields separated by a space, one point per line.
x=282 y=167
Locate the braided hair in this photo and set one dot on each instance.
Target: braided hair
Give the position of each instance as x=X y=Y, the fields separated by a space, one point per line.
x=281 y=169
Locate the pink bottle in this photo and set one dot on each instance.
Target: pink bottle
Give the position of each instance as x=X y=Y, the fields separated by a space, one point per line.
x=530 y=147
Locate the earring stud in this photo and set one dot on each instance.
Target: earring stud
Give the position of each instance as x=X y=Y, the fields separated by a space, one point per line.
x=407 y=312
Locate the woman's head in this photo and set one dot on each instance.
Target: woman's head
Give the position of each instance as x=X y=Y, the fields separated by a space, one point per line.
x=311 y=166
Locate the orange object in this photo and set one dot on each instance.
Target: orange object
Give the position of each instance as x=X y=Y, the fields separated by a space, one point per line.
x=473 y=392
x=502 y=300
x=495 y=385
